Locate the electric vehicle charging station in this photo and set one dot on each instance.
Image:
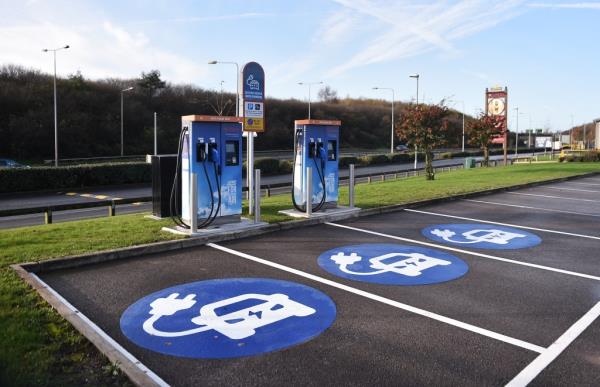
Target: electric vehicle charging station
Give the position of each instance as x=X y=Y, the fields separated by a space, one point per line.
x=210 y=168
x=316 y=168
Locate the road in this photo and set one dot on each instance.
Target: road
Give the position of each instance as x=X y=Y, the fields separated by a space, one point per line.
x=11 y=201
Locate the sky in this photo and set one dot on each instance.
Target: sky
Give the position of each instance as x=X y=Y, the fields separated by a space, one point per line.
x=546 y=53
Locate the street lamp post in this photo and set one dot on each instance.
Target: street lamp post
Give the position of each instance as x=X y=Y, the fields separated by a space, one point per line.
x=416 y=76
x=55 y=103
x=122 y=92
x=517 y=134
x=393 y=98
x=237 y=82
x=309 y=84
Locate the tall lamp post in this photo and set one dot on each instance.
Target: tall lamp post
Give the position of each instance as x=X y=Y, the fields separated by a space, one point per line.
x=309 y=84
x=517 y=134
x=237 y=82
x=53 y=50
x=463 y=125
x=122 y=92
x=393 y=98
x=416 y=76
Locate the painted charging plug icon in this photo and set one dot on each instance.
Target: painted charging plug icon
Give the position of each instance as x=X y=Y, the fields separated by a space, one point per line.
x=407 y=264
x=230 y=317
x=498 y=237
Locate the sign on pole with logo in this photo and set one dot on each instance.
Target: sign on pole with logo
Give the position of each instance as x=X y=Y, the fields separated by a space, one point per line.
x=253 y=95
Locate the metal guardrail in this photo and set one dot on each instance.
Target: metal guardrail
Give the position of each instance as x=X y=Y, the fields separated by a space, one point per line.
x=48 y=210
x=266 y=188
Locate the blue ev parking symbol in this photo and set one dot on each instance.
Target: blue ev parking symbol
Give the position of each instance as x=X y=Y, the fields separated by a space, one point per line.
x=392 y=264
x=227 y=318
x=481 y=236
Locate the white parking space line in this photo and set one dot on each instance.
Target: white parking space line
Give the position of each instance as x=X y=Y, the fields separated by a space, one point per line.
x=387 y=301
x=572 y=189
x=503 y=224
x=533 y=208
x=554 y=197
x=481 y=255
x=553 y=351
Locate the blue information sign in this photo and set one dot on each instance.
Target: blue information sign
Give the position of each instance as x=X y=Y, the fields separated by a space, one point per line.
x=253 y=82
x=392 y=264
x=481 y=236
x=227 y=318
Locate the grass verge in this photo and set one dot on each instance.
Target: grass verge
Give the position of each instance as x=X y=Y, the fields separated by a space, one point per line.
x=38 y=347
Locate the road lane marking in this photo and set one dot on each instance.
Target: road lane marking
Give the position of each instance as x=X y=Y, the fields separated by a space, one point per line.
x=553 y=351
x=542 y=267
x=573 y=182
x=387 y=301
x=572 y=189
x=503 y=224
x=554 y=197
x=532 y=208
x=71 y=193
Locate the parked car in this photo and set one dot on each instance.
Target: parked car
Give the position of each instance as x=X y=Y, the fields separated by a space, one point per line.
x=402 y=148
x=8 y=163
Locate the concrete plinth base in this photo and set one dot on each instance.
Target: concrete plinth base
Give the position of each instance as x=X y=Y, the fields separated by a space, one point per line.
x=221 y=229
x=327 y=212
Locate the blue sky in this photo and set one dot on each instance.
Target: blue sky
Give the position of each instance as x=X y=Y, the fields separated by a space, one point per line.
x=545 y=52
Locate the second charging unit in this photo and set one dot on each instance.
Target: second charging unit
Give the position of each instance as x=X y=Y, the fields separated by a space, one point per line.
x=316 y=146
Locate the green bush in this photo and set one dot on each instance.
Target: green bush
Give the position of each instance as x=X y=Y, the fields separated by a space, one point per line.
x=347 y=160
x=285 y=166
x=591 y=156
x=267 y=166
x=402 y=158
x=445 y=155
x=75 y=176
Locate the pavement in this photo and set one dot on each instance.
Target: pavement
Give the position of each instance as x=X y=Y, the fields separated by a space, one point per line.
x=34 y=199
x=525 y=310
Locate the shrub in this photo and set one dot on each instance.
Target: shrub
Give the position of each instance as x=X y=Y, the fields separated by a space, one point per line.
x=285 y=166
x=267 y=166
x=445 y=155
x=347 y=160
x=75 y=176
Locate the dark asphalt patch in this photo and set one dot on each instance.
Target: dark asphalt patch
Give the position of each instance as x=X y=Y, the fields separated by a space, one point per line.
x=368 y=344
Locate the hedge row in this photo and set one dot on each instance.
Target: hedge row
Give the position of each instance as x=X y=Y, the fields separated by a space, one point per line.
x=47 y=178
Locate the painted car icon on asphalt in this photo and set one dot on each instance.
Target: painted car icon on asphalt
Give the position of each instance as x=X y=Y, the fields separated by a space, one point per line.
x=243 y=323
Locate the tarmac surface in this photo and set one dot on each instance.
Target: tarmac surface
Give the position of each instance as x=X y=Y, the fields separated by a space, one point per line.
x=517 y=315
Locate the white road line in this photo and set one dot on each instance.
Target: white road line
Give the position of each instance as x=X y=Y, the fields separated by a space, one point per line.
x=155 y=378
x=578 y=183
x=572 y=189
x=553 y=351
x=548 y=268
x=387 y=301
x=533 y=208
x=503 y=224
x=554 y=197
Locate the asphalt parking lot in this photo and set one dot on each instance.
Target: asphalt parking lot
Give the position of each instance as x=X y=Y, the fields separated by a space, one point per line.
x=494 y=290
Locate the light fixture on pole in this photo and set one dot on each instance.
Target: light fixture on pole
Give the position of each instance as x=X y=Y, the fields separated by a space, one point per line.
x=416 y=76
x=309 y=84
x=123 y=91
x=237 y=82
x=393 y=98
x=53 y=50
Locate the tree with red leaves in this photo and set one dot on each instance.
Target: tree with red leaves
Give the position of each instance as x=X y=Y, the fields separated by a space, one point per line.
x=425 y=126
x=482 y=131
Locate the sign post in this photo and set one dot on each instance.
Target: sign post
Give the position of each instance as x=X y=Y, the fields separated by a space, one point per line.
x=496 y=105
x=253 y=99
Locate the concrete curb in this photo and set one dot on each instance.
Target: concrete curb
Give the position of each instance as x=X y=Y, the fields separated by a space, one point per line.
x=161 y=247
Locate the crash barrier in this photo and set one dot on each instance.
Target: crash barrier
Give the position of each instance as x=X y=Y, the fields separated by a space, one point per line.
x=265 y=190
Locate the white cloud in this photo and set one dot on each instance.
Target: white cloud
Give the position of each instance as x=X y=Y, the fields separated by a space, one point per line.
x=410 y=28
x=589 y=5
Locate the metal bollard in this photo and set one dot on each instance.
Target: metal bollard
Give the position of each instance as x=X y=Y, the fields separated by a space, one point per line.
x=112 y=209
x=194 y=204
x=351 y=186
x=48 y=216
x=257 y=192
x=369 y=179
x=309 y=189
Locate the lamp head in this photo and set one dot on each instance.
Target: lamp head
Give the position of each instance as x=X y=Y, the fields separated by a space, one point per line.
x=67 y=46
x=212 y=62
